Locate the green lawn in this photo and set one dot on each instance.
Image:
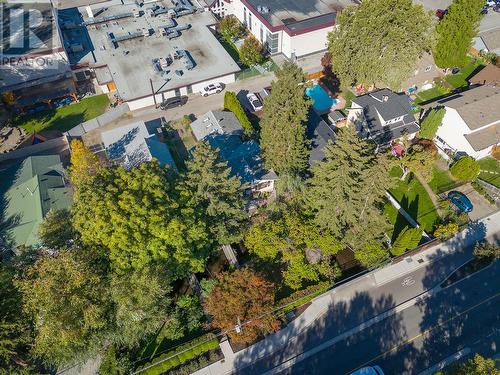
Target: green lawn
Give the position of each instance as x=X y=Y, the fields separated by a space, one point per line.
x=348 y=96
x=441 y=181
x=460 y=79
x=489 y=165
x=416 y=201
x=431 y=94
x=65 y=118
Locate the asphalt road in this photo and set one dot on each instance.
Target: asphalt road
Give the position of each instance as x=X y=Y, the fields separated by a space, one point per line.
x=465 y=314
x=355 y=306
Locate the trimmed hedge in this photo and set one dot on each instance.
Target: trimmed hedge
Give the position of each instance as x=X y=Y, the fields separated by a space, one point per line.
x=181 y=354
x=302 y=296
x=231 y=103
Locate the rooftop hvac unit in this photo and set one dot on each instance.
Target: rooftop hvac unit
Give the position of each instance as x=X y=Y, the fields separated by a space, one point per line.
x=145 y=32
x=77 y=47
x=136 y=13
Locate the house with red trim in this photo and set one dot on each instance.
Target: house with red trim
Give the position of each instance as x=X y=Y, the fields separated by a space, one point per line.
x=293 y=28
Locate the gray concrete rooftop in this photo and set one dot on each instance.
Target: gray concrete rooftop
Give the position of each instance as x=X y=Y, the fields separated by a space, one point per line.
x=284 y=12
x=131 y=64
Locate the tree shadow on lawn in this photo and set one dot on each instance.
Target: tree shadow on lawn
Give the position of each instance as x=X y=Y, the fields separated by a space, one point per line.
x=50 y=120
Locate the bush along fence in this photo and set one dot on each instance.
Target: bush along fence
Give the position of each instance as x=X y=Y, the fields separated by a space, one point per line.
x=190 y=357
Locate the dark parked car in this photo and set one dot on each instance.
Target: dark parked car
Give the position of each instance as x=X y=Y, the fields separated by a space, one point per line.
x=460 y=201
x=176 y=101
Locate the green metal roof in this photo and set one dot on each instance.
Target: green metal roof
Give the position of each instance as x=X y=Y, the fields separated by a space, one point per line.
x=28 y=191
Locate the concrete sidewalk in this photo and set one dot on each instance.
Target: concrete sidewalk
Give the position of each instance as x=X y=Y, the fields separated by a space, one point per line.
x=403 y=281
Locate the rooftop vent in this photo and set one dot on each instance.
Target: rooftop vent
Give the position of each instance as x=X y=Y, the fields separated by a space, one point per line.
x=385 y=98
x=262 y=9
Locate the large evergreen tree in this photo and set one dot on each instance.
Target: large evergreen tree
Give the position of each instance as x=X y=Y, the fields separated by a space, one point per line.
x=135 y=215
x=208 y=191
x=379 y=41
x=455 y=31
x=347 y=189
x=283 y=130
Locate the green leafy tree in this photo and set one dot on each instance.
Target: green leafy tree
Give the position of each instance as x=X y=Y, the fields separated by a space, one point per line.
x=283 y=131
x=84 y=163
x=345 y=197
x=251 y=51
x=454 y=33
x=431 y=123
x=372 y=255
x=420 y=159
x=230 y=28
x=246 y=297
x=109 y=365
x=365 y=52
x=208 y=191
x=69 y=303
x=231 y=103
x=135 y=215
x=304 y=251
x=486 y=250
x=15 y=327
x=142 y=303
x=476 y=366
x=409 y=238
x=56 y=230
x=445 y=231
x=465 y=169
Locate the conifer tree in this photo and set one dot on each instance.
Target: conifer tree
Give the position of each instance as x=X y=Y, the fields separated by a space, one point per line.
x=347 y=189
x=455 y=31
x=407 y=239
x=283 y=130
x=210 y=192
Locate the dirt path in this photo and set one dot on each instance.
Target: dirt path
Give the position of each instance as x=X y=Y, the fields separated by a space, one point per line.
x=432 y=195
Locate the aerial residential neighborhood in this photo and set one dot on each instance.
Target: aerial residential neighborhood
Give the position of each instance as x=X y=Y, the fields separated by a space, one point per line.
x=218 y=187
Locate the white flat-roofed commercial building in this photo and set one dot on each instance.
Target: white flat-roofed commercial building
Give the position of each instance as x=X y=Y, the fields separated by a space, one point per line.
x=294 y=28
x=124 y=42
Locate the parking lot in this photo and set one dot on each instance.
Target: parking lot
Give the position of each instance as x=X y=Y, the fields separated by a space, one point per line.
x=482 y=207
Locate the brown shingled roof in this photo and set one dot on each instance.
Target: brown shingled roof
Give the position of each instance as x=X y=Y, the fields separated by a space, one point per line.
x=484 y=138
x=478 y=106
x=490 y=74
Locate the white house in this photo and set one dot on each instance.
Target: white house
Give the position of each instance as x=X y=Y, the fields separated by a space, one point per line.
x=471 y=124
x=293 y=28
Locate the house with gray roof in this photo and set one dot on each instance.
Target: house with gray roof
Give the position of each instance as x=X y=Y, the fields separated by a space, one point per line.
x=28 y=191
x=135 y=143
x=319 y=132
x=223 y=131
x=383 y=116
x=471 y=123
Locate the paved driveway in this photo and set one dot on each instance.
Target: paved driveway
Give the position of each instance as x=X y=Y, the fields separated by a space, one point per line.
x=482 y=207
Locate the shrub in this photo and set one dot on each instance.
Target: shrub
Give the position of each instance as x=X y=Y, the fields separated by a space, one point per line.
x=480 y=189
x=182 y=354
x=230 y=28
x=431 y=123
x=407 y=239
x=251 y=51
x=231 y=103
x=465 y=169
x=108 y=365
x=445 y=231
x=486 y=250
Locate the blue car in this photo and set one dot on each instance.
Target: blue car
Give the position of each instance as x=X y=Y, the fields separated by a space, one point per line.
x=460 y=201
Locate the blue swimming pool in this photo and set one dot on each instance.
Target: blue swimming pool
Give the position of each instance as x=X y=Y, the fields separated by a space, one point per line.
x=320 y=98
